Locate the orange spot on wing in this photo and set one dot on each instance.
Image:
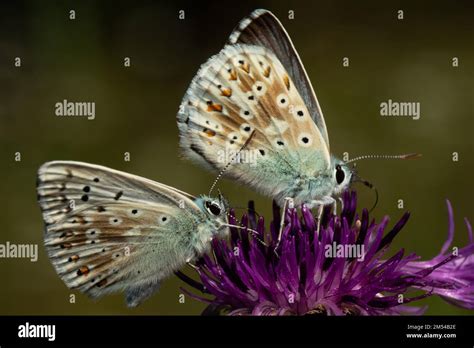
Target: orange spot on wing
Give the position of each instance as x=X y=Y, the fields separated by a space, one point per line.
x=266 y=72
x=83 y=270
x=210 y=133
x=286 y=80
x=214 y=107
x=233 y=75
x=226 y=92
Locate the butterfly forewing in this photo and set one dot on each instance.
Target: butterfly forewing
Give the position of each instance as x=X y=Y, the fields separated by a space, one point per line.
x=108 y=231
x=262 y=28
x=243 y=90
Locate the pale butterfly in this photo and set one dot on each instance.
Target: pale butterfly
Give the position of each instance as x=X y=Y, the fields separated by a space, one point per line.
x=109 y=231
x=257 y=87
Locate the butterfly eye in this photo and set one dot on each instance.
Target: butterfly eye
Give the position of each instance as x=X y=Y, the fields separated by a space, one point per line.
x=213 y=208
x=339 y=175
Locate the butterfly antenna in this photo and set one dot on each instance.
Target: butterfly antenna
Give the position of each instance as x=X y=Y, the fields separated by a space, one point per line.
x=403 y=156
x=223 y=170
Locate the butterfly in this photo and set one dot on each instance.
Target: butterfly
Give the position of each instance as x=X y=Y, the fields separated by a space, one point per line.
x=109 y=231
x=256 y=85
x=255 y=94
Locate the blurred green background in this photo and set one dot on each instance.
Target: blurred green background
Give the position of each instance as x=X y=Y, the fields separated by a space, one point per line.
x=82 y=60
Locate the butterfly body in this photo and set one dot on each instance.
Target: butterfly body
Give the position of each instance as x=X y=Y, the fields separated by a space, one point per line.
x=109 y=231
x=308 y=186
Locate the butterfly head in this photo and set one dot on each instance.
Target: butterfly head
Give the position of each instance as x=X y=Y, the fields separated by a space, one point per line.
x=215 y=208
x=342 y=176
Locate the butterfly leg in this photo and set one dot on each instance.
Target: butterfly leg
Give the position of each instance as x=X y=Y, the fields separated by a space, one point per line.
x=289 y=204
x=321 y=203
x=192 y=265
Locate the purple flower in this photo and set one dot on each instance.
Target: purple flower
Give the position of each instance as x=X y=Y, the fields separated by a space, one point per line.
x=343 y=269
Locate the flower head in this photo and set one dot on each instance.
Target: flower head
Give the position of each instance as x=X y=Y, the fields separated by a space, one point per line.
x=342 y=269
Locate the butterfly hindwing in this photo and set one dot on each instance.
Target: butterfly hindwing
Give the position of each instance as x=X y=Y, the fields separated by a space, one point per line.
x=110 y=231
